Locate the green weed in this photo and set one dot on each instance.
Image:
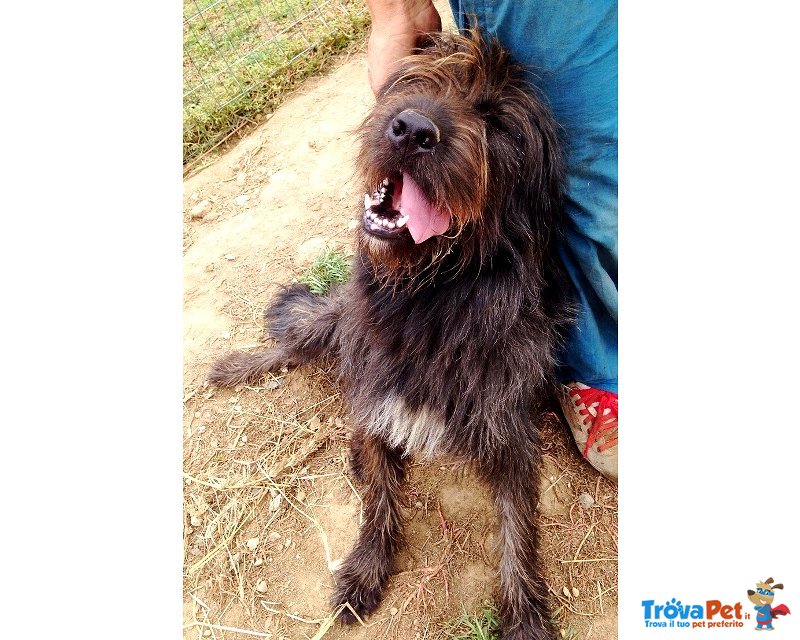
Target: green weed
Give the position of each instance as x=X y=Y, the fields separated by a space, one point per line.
x=330 y=268
x=482 y=626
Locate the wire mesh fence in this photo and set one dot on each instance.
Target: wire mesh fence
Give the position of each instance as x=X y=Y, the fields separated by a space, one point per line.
x=241 y=56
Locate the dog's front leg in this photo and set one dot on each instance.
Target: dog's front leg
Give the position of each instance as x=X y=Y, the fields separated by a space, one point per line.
x=363 y=575
x=523 y=607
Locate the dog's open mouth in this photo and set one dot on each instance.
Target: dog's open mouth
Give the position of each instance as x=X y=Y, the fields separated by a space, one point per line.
x=398 y=206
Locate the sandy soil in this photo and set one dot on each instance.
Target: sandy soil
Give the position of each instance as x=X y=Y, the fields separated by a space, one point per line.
x=269 y=505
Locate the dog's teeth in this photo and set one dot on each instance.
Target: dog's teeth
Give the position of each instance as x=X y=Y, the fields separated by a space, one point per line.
x=367 y=201
x=390 y=225
x=402 y=220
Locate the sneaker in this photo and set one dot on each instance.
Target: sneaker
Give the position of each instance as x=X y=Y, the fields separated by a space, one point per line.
x=592 y=417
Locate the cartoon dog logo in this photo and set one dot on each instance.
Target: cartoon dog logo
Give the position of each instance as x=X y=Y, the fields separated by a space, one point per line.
x=762 y=597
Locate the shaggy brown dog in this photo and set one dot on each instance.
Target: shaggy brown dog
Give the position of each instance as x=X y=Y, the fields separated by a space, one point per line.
x=444 y=337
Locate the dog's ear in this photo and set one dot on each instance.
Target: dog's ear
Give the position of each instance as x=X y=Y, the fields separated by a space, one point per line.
x=778 y=586
x=750 y=592
x=768 y=581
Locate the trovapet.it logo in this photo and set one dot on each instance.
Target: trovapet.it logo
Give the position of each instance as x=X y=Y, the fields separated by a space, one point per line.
x=716 y=614
x=711 y=613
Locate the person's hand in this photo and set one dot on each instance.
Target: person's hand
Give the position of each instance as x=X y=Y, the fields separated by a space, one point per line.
x=395 y=28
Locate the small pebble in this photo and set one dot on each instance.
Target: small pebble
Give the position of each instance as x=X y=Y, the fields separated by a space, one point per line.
x=195 y=521
x=393 y=611
x=301 y=495
x=261 y=586
x=252 y=543
x=196 y=414
x=314 y=424
x=244 y=438
x=418 y=504
x=258 y=562
x=201 y=428
x=207 y=633
x=272 y=385
x=575 y=592
x=274 y=535
x=567 y=592
x=199 y=210
x=287 y=542
x=275 y=503
x=586 y=501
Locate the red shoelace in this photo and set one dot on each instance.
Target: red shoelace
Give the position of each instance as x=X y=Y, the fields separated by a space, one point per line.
x=595 y=403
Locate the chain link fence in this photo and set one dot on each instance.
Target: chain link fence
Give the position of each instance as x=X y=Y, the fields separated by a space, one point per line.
x=240 y=57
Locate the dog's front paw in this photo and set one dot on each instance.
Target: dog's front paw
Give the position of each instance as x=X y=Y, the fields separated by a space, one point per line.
x=528 y=633
x=362 y=590
x=239 y=367
x=528 y=625
x=230 y=370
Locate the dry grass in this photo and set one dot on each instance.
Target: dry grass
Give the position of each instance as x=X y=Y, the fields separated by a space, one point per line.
x=268 y=461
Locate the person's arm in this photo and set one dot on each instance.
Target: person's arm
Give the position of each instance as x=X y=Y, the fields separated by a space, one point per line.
x=395 y=26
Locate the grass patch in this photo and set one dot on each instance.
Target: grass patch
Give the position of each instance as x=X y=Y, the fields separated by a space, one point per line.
x=482 y=626
x=330 y=268
x=242 y=57
x=486 y=625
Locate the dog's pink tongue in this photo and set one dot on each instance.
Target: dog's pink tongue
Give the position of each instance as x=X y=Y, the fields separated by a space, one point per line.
x=424 y=221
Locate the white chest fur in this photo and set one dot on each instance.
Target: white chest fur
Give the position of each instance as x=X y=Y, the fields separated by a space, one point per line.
x=414 y=431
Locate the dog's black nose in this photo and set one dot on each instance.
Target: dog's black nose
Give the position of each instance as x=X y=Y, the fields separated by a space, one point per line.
x=413 y=130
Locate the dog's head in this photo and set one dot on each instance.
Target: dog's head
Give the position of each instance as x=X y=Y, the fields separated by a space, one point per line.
x=459 y=157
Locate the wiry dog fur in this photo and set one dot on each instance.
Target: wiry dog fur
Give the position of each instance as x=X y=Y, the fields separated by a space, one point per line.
x=447 y=346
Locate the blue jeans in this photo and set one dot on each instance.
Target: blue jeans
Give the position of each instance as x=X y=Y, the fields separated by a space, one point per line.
x=571 y=49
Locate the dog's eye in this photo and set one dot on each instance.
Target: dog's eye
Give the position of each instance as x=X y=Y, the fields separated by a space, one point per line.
x=489 y=112
x=493 y=121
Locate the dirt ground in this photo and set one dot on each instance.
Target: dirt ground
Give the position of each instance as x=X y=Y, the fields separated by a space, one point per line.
x=269 y=506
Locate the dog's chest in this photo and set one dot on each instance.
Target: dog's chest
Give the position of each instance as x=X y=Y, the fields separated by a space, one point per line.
x=411 y=430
